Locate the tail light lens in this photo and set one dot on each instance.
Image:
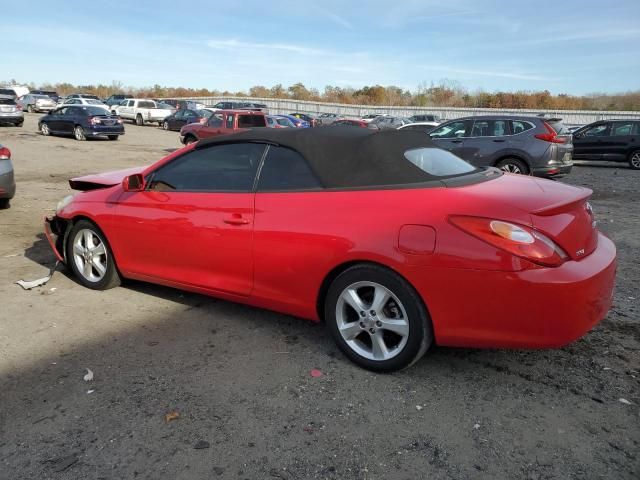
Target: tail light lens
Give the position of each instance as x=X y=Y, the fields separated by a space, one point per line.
x=18 y=107
x=5 y=153
x=519 y=240
x=551 y=135
x=95 y=121
x=119 y=120
x=203 y=121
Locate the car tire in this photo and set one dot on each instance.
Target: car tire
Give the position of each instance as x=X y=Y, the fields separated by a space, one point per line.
x=18 y=124
x=165 y=125
x=90 y=258
x=30 y=109
x=112 y=137
x=139 y=120
x=4 y=203
x=392 y=338
x=634 y=160
x=78 y=133
x=513 y=165
x=44 y=129
x=190 y=139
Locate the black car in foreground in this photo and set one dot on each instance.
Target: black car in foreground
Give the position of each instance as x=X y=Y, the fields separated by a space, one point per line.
x=516 y=144
x=82 y=121
x=609 y=140
x=180 y=118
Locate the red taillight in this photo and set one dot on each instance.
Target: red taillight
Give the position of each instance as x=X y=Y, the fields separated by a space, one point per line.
x=551 y=135
x=119 y=120
x=5 y=153
x=95 y=121
x=18 y=107
x=519 y=240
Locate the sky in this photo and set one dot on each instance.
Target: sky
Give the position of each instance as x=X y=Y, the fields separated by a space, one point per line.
x=572 y=46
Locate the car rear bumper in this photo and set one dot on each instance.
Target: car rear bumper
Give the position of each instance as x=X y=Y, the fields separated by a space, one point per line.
x=106 y=130
x=535 y=308
x=553 y=170
x=13 y=118
x=7 y=185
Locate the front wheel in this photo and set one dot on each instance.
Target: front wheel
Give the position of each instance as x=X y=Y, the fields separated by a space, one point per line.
x=44 y=129
x=377 y=319
x=513 y=165
x=634 y=160
x=78 y=132
x=112 y=137
x=90 y=257
x=165 y=125
x=190 y=139
x=139 y=120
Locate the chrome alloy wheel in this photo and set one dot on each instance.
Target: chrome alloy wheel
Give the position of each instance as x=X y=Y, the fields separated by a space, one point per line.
x=44 y=128
x=90 y=255
x=635 y=160
x=372 y=321
x=78 y=132
x=511 y=168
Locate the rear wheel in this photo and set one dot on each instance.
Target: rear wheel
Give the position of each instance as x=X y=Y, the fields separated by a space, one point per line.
x=377 y=319
x=90 y=257
x=78 y=132
x=165 y=125
x=44 y=129
x=513 y=165
x=30 y=108
x=112 y=137
x=634 y=160
x=19 y=124
x=4 y=203
x=139 y=120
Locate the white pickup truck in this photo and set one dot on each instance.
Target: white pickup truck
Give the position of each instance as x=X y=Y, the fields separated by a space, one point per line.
x=142 y=110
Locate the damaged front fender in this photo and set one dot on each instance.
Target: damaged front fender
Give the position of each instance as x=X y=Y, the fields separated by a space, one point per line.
x=56 y=230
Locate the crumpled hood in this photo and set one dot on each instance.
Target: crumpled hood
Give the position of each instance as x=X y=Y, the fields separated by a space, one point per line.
x=102 y=180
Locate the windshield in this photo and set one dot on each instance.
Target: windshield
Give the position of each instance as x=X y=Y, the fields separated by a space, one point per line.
x=437 y=162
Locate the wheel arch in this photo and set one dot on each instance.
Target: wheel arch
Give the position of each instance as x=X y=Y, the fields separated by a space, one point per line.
x=342 y=267
x=77 y=218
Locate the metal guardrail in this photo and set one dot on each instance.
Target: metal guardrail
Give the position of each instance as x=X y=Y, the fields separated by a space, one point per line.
x=280 y=106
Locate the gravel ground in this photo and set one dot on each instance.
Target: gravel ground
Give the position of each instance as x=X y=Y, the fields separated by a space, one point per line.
x=240 y=380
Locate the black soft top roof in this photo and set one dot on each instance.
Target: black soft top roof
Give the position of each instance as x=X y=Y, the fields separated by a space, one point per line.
x=344 y=156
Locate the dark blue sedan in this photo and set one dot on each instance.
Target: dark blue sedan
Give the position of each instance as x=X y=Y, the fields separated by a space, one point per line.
x=82 y=121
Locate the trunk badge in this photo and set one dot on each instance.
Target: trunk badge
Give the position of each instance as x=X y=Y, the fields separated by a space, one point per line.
x=580 y=252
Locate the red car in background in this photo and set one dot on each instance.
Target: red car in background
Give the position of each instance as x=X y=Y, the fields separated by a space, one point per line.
x=222 y=122
x=394 y=243
x=351 y=123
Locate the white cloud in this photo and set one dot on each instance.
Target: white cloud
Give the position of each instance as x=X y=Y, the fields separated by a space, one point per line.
x=234 y=44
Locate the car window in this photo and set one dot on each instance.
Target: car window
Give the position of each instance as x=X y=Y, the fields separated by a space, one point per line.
x=60 y=111
x=70 y=111
x=219 y=168
x=489 y=128
x=7 y=101
x=130 y=103
x=95 y=111
x=438 y=162
x=519 y=126
x=449 y=130
x=229 y=123
x=251 y=121
x=286 y=169
x=146 y=104
x=601 y=130
x=622 y=128
x=215 y=120
x=636 y=130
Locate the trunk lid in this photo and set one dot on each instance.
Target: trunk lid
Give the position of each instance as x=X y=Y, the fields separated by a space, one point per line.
x=560 y=211
x=102 y=180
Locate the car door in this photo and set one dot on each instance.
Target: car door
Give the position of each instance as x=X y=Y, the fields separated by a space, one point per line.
x=176 y=120
x=189 y=116
x=72 y=116
x=289 y=200
x=589 y=141
x=193 y=225
x=451 y=136
x=619 y=142
x=54 y=119
x=487 y=141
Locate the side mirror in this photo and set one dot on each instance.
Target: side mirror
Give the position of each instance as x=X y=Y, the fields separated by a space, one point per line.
x=133 y=183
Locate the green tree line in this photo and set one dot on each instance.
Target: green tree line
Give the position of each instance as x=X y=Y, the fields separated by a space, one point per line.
x=443 y=94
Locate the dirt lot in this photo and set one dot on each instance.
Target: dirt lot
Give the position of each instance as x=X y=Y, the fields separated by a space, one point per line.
x=240 y=377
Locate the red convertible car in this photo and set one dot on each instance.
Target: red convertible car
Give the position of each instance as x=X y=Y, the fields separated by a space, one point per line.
x=394 y=243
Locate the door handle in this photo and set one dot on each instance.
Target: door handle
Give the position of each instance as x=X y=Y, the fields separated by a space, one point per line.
x=497 y=140
x=236 y=219
x=456 y=141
